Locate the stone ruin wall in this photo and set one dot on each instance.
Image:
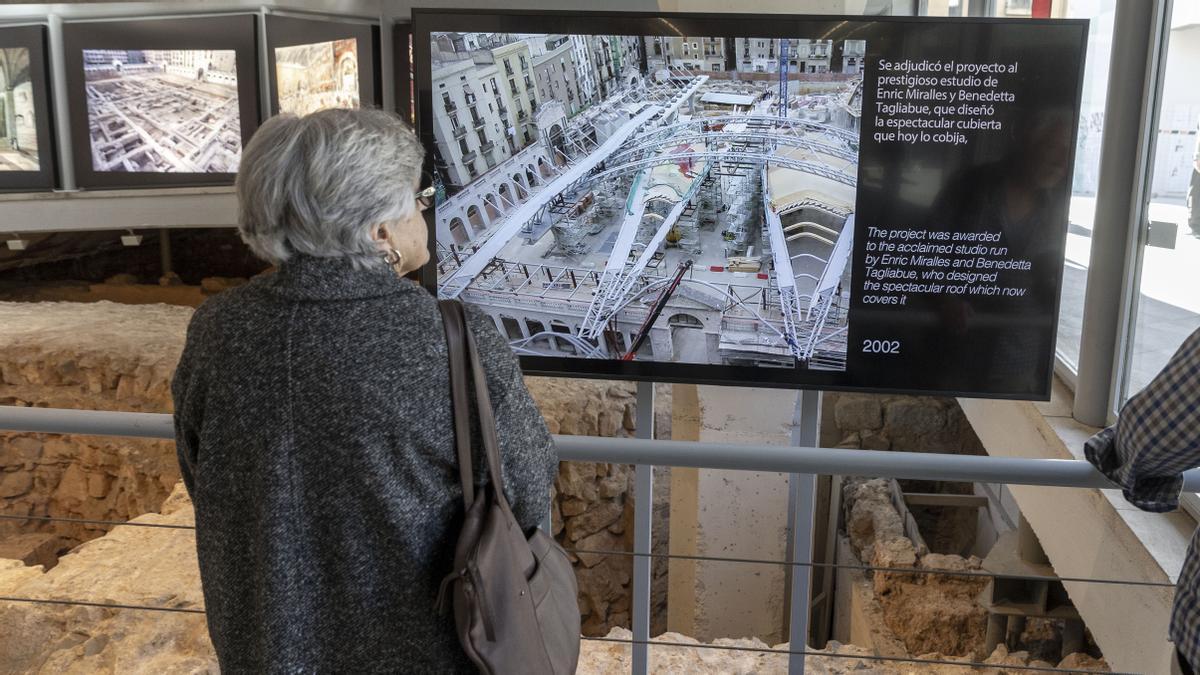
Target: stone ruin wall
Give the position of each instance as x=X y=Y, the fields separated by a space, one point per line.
x=106 y=356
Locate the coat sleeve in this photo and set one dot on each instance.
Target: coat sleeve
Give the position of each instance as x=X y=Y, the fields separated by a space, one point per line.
x=528 y=457
x=1155 y=438
x=187 y=394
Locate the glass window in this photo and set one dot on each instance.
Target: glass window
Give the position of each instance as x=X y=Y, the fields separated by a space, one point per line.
x=1087 y=151
x=1167 y=307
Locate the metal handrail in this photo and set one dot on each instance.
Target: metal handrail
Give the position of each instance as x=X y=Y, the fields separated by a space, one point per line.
x=645 y=453
x=731 y=456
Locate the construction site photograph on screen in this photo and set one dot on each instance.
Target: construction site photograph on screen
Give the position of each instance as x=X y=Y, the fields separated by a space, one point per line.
x=18 y=132
x=648 y=198
x=317 y=76
x=163 y=111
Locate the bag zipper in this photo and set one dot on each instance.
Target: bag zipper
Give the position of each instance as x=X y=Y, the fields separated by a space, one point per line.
x=484 y=608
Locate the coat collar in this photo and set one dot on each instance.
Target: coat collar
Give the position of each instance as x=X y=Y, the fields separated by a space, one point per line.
x=305 y=277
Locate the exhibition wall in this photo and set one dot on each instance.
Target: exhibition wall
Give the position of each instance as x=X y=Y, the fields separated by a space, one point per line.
x=845 y=341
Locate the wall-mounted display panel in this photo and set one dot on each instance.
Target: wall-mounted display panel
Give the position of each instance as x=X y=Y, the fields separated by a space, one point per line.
x=794 y=201
x=26 y=151
x=162 y=101
x=316 y=65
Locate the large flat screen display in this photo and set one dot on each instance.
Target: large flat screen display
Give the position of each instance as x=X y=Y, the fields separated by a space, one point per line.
x=160 y=102
x=788 y=201
x=18 y=127
x=25 y=152
x=163 y=110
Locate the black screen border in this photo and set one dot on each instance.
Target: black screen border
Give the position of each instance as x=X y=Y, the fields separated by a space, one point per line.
x=33 y=38
x=834 y=27
x=201 y=32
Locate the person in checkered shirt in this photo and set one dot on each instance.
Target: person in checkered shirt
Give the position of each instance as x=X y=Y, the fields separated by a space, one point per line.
x=1157 y=438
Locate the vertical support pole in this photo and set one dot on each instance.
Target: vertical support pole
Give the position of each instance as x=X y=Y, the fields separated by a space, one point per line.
x=802 y=489
x=388 y=96
x=265 y=76
x=62 y=112
x=164 y=250
x=1127 y=152
x=643 y=509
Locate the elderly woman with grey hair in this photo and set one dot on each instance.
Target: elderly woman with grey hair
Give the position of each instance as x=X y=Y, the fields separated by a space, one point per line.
x=313 y=419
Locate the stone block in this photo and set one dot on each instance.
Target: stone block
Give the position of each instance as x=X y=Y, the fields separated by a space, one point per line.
x=913 y=416
x=594 y=520
x=858 y=412
x=98 y=484
x=15 y=483
x=600 y=541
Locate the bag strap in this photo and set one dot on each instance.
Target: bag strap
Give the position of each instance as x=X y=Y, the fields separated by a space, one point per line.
x=452 y=321
x=487 y=423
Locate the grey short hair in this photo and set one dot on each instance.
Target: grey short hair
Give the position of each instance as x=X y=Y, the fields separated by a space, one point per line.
x=319 y=184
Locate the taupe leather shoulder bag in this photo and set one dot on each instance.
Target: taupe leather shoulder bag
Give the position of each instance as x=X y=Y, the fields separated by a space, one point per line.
x=514 y=595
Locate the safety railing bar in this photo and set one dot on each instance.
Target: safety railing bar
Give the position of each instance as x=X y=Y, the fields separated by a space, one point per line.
x=88 y=521
x=107 y=605
x=865 y=657
x=843 y=462
x=875 y=568
x=731 y=456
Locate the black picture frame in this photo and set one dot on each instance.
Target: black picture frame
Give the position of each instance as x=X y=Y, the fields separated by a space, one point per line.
x=290 y=31
x=426 y=21
x=236 y=32
x=44 y=178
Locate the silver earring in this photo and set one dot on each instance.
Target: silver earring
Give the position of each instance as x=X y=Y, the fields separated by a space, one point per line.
x=393 y=257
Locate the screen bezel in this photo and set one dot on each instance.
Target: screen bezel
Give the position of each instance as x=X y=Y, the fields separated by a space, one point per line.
x=288 y=31
x=44 y=178
x=237 y=32
x=730 y=25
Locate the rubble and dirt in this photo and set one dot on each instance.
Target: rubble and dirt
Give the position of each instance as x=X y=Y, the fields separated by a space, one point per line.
x=934 y=616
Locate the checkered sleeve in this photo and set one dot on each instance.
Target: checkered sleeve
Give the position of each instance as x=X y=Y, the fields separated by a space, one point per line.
x=1157 y=435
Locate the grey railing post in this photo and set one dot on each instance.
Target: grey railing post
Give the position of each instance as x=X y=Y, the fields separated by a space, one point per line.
x=265 y=76
x=62 y=111
x=1127 y=149
x=802 y=488
x=643 y=509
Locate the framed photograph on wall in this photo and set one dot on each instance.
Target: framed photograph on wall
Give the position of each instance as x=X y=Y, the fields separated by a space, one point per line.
x=315 y=65
x=26 y=141
x=161 y=102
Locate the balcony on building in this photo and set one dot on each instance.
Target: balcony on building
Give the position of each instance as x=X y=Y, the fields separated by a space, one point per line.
x=460 y=131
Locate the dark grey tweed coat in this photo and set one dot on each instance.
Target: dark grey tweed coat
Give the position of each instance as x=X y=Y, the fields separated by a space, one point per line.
x=313 y=425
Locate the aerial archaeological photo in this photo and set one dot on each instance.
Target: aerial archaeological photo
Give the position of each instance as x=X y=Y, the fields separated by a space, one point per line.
x=163 y=111
x=669 y=199
x=317 y=76
x=18 y=131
